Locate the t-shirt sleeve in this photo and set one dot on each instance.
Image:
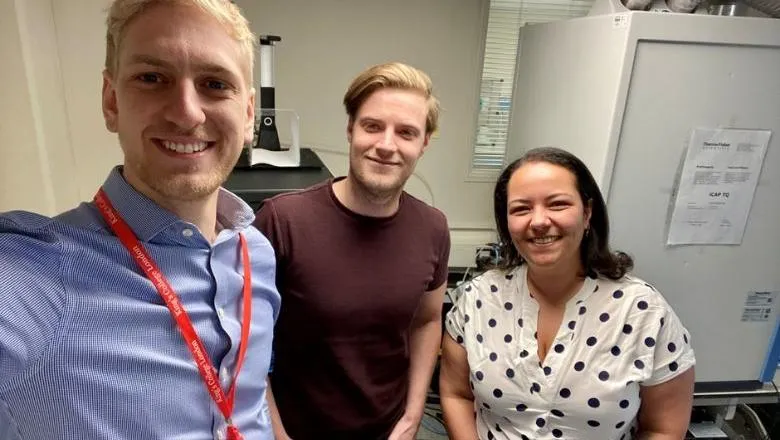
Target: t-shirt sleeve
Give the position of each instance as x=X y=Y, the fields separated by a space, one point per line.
x=267 y=222
x=442 y=268
x=672 y=353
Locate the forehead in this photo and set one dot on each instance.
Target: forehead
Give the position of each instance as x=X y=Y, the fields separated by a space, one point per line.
x=182 y=36
x=397 y=105
x=542 y=177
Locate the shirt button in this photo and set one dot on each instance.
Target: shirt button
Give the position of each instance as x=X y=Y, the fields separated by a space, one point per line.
x=187 y=232
x=221 y=312
x=223 y=374
x=221 y=434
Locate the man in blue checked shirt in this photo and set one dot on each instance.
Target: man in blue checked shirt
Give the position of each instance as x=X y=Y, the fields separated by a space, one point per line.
x=148 y=312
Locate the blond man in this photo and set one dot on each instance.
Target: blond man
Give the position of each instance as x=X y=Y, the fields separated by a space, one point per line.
x=130 y=317
x=362 y=270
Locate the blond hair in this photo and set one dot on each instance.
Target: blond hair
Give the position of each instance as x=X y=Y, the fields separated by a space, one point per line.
x=122 y=12
x=397 y=76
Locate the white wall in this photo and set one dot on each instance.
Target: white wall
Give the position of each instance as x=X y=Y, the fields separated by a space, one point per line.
x=40 y=168
x=55 y=150
x=81 y=44
x=25 y=174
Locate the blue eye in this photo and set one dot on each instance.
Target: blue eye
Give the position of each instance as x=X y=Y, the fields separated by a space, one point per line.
x=216 y=85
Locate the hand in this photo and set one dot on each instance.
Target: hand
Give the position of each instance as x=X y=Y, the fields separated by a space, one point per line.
x=406 y=428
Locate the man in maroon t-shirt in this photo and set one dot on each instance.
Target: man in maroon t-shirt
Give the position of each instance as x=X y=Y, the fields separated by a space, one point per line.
x=362 y=269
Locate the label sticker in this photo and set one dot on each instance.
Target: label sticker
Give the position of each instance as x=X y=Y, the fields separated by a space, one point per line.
x=759 y=306
x=620 y=21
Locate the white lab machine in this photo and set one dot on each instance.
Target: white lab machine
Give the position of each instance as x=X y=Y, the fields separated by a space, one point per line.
x=624 y=90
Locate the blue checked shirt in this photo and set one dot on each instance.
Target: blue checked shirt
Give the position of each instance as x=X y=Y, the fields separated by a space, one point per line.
x=88 y=349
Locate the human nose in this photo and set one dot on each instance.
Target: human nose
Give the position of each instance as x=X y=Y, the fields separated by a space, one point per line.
x=184 y=107
x=540 y=218
x=386 y=145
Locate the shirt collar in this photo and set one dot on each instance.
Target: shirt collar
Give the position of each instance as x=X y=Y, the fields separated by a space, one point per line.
x=147 y=219
x=588 y=288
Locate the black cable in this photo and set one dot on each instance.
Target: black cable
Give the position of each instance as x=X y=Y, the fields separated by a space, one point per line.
x=774 y=418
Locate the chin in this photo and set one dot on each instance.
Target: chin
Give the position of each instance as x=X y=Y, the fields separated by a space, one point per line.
x=379 y=184
x=542 y=262
x=187 y=187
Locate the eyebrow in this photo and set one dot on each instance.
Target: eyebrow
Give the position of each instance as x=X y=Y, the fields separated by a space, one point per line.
x=200 y=67
x=548 y=198
x=370 y=119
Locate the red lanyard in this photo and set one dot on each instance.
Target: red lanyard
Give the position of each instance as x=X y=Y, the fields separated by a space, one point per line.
x=195 y=345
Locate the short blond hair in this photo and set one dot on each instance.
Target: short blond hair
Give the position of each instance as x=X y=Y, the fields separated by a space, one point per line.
x=396 y=76
x=122 y=12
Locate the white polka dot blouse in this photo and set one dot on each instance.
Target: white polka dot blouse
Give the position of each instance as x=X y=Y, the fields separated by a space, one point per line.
x=615 y=337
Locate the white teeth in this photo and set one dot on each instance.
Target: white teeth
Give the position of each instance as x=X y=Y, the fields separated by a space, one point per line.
x=544 y=240
x=185 y=148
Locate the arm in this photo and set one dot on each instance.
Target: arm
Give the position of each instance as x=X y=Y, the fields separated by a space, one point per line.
x=666 y=408
x=423 y=347
x=457 y=400
x=276 y=419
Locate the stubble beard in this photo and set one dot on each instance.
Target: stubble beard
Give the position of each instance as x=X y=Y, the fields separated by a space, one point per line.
x=375 y=189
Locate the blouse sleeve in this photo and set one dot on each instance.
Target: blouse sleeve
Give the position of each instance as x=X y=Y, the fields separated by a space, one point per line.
x=667 y=343
x=455 y=322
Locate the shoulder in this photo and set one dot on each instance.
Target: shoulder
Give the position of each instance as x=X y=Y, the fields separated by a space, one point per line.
x=30 y=240
x=424 y=211
x=293 y=201
x=426 y=220
x=25 y=235
x=487 y=285
x=637 y=292
x=257 y=240
x=31 y=287
x=23 y=222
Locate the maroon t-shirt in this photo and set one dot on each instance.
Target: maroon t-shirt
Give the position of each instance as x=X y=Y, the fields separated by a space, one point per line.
x=350 y=286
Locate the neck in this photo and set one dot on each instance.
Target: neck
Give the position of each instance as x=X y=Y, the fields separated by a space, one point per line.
x=201 y=212
x=554 y=286
x=360 y=201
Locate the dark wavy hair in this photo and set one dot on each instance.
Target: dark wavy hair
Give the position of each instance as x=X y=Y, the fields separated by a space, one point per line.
x=595 y=254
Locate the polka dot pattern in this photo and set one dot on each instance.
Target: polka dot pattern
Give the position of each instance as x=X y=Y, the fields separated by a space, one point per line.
x=610 y=341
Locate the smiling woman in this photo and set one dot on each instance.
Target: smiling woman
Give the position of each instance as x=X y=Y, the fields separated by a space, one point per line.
x=560 y=341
